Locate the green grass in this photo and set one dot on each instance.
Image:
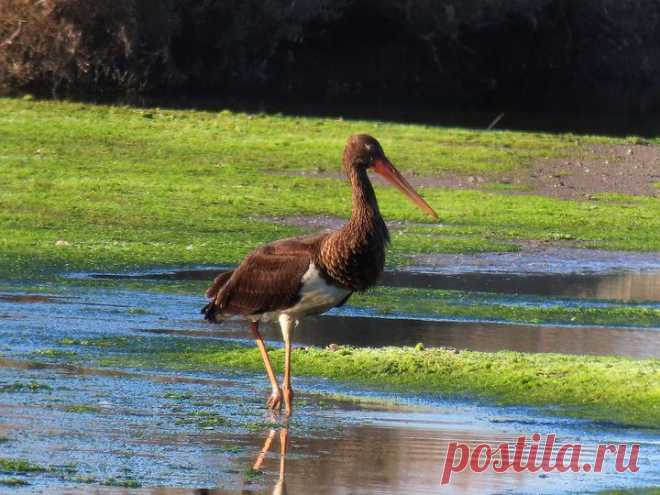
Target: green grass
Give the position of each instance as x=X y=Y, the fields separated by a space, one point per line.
x=101 y=342
x=250 y=474
x=82 y=479
x=123 y=483
x=178 y=395
x=612 y=389
x=490 y=307
x=54 y=353
x=128 y=187
x=82 y=408
x=19 y=466
x=204 y=419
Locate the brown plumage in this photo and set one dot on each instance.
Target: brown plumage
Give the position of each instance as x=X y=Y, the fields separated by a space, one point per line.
x=295 y=277
x=269 y=279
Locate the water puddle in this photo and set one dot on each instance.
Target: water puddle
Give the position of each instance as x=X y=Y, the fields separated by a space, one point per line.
x=543 y=260
x=627 y=280
x=582 y=284
x=621 y=286
x=106 y=430
x=487 y=337
x=126 y=428
x=128 y=312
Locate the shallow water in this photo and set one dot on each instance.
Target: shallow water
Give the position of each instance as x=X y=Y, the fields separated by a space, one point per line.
x=135 y=312
x=356 y=326
x=142 y=426
x=488 y=337
x=577 y=273
x=193 y=432
x=621 y=286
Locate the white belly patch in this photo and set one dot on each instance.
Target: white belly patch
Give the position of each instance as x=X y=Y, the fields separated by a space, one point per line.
x=316 y=295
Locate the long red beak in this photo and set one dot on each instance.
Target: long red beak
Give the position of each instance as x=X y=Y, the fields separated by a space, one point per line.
x=394 y=177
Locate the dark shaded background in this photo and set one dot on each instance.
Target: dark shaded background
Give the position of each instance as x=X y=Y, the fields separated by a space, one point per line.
x=573 y=56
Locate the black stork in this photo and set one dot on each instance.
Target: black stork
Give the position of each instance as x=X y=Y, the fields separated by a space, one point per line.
x=291 y=278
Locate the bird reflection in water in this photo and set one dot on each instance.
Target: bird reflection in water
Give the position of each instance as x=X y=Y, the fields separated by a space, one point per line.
x=280 y=486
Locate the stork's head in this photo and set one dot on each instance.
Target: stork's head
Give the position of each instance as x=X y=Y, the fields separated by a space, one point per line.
x=363 y=152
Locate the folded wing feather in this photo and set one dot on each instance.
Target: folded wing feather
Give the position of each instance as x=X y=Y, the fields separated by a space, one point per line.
x=267 y=280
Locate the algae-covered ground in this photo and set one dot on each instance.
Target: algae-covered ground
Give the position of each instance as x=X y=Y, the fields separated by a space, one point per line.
x=618 y=390
x=98 y=187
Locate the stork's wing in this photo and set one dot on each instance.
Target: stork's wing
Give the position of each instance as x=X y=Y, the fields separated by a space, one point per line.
x=269 y=279
x=218 y=283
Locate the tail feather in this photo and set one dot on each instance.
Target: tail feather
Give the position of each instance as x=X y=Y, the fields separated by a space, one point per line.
x=211 y=310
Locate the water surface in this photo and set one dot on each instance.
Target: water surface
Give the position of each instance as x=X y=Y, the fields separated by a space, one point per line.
x=185 y=433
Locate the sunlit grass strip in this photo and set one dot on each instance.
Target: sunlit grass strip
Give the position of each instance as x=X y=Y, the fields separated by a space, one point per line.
x=19 y=466
x=612 y=389
x=95 y=187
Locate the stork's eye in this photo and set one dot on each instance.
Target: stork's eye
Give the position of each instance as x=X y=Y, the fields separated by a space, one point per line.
x=368 y=147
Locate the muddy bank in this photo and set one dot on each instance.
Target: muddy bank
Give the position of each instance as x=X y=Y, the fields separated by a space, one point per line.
x=630 y=169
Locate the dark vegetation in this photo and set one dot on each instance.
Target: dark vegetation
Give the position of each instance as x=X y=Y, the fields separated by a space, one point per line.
x=511 y=54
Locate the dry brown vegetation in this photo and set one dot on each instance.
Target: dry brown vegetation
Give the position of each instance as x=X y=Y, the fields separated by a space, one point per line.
x=65 y=45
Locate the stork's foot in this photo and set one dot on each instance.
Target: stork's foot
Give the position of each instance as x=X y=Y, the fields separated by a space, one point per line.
x=288 y=400
x=275 y=400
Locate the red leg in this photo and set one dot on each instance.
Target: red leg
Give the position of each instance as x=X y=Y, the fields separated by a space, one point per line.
x=287 y=324
x=275 y=400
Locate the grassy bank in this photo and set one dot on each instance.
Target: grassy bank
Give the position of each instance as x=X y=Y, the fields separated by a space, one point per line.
x=610 y=389
x=103 y=187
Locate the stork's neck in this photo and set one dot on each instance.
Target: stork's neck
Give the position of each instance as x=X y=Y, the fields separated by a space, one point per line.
x=354 y=256
x=365 y=213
